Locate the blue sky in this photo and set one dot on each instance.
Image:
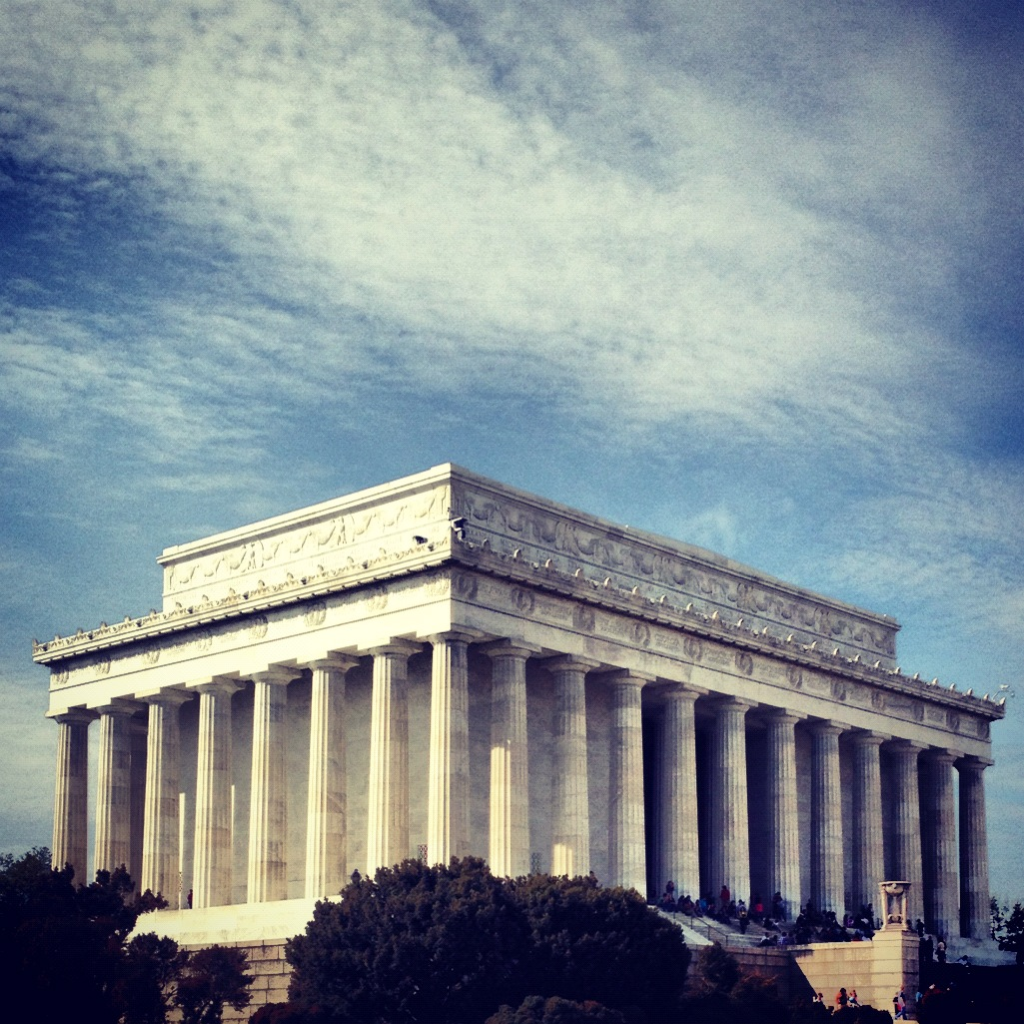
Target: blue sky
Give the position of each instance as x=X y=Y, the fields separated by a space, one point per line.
x=746 y=274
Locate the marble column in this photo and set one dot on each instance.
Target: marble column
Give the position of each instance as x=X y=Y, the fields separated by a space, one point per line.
x=267 y=877
x=113 y=789
x=627 y=855
x=448 y=764
x=939 y=852
x=730 y=834
x=137 y=798
x=570 y=853
x=161 y=824
x=868 y=868
x=974 y=890
x=387 y=841
x=906 y=831
x=211 y=874
x=679 y=855
x=71 y=800
x=326 y=807
x=509 y=839
x=827 y=890
x=783 y=860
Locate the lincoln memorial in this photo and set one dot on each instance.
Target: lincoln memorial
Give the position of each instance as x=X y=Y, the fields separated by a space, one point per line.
x=443 y=665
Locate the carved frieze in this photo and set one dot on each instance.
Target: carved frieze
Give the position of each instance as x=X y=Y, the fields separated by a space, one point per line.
x=634 y=563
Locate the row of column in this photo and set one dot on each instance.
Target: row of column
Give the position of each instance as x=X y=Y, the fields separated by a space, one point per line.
x=915 y=811
x=922 y=816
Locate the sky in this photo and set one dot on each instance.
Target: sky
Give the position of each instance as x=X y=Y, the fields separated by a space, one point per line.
x=747 y=274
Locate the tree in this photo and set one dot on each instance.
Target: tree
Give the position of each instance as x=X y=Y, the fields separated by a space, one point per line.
x=63 y=947
x=413 y=943
x=452 y=943
x=1011 y=934
x=601 y=944
x=65 y=952
x=209 y=979
x=537 y=1010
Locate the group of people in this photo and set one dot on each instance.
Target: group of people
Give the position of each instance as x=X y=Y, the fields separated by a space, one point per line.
x=811 y=925
x=843 y=999
x=725 y=908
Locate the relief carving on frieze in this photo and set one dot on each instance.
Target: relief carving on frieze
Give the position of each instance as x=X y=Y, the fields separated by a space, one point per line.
x=744 y=662
x=523 y=600
x=103 y=666
x=584 y=619
x=795 y=677
x=151 y=655
x=953 y=720
x=638 y=560
x=839 y=690
x=340 y=531
x=439 y=585
x=258 y=627
x=59 y=677
x=693 y=648
x=465 y=585
x=641 y=634
x=315 y=614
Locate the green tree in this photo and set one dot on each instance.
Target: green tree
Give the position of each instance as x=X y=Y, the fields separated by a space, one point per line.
x=210 y=979
x=451 y=943
x=554 y=1010
x=414 y=943
x=62 y=947
x=600 y=944
x=1011 y=935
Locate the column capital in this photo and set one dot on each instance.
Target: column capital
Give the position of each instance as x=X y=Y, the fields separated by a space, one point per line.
x=73 y=716
x=562 y=662
x=509 y=648
x=119 y=706
x=903 y=746
x=973 y=762
x=727 y=700
x=868 y=738
x=627 y=677
x=219 y=685
x=828 y=727
x=942 y=756
x=169 y=696
x=681 y=691
x=782 y=715
x=465 y=636
x=276 y=675
x=396 y=647
x=337 y=662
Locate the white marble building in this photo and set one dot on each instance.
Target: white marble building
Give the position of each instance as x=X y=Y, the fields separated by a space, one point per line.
x=443 y=665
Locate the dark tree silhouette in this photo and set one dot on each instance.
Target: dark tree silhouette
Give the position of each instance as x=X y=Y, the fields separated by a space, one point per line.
x=452 y=943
